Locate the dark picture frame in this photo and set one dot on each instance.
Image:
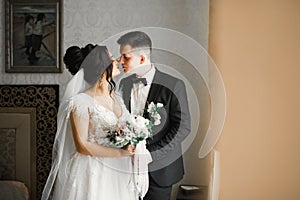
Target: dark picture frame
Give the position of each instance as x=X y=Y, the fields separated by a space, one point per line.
x=33 y=36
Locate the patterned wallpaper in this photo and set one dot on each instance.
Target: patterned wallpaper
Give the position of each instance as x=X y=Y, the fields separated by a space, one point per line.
x=92 y=21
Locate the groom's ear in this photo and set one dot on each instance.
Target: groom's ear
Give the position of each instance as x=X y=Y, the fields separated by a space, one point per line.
x=142 y=59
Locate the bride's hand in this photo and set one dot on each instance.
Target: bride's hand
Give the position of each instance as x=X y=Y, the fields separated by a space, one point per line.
x=129 y=148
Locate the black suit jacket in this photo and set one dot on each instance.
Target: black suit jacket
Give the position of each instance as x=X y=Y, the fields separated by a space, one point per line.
x=165 y=146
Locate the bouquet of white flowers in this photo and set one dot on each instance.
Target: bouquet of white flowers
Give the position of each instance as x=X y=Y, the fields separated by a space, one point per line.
x=135 y=128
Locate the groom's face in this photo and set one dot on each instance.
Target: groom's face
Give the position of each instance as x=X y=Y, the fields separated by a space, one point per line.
x=129 y=60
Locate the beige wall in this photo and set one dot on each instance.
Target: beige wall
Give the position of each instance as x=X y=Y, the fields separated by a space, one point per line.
x=256 y=46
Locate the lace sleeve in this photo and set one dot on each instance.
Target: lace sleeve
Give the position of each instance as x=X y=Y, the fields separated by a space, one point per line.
x=79 y=105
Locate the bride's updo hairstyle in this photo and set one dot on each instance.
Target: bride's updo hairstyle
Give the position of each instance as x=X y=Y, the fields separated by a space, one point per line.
x=94 y=61
x=74 y=57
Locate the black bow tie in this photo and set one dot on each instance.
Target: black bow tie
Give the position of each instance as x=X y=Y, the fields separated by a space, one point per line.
x=137 y=80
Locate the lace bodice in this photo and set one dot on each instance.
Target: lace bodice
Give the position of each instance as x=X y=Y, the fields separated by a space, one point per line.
x=100 y=118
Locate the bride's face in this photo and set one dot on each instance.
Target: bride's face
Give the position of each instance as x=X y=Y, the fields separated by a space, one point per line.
x=116 y=71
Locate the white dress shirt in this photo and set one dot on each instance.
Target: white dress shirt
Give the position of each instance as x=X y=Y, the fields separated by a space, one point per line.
x=139 y=93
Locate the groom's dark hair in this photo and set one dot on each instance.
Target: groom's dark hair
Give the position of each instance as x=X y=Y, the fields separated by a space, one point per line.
x=136 y=39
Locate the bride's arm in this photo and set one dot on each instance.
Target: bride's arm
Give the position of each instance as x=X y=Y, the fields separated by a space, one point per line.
x=80 y=124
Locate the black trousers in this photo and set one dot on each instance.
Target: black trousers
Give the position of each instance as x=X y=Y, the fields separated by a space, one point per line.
x=157 y=192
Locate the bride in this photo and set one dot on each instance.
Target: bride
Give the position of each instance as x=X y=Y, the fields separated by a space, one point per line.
x=84 y=164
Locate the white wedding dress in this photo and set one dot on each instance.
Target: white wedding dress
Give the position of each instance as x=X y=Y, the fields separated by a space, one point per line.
x=95 y=178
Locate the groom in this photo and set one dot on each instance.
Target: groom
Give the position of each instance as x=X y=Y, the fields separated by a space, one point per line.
x=146 y=85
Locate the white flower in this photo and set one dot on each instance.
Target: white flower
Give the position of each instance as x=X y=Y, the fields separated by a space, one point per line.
x=150 y=107
x=118 y=138
x=140 y=122
x=157 y=119
x=159 y=105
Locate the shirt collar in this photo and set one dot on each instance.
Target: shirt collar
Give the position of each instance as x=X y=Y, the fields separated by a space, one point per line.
x=149 y=75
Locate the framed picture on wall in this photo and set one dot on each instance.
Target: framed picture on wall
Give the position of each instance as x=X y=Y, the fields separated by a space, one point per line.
x=33 y=36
